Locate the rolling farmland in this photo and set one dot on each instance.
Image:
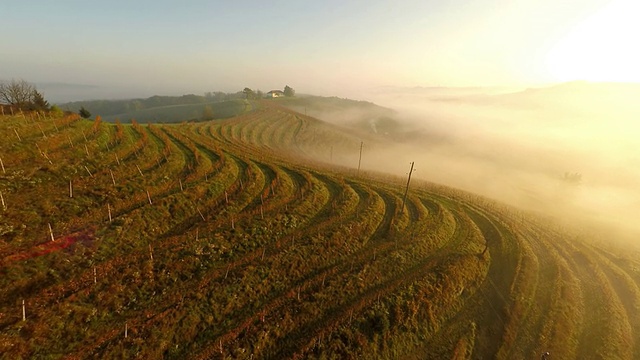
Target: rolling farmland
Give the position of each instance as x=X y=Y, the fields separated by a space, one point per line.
x=226 y=239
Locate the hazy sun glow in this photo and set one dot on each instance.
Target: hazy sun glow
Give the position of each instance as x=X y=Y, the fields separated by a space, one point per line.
x=601 y=48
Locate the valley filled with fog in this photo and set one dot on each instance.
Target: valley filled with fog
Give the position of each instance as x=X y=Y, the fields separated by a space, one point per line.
x=568 y=151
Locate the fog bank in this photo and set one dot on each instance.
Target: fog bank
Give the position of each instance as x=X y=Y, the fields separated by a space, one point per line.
x=569 y=151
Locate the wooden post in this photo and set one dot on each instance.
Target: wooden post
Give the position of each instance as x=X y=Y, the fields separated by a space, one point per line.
x=150 y=253
x=2 y=163
x=406 y=191
x=16 y=131
x=140 y=171
x=233 y=225
x=70 y=188
x=109 y=209
x=126 y=330
x=117 y=159
x=24 y=311
x=86 y=168
x=42 y=131
x=197 y=231
x=149 y=197
x=360 y=158
x=202 y=216
x=112 y=178
x=181 y=188
x=86 y=149
x=95 y=275
x=51 y=233
x=4 y=206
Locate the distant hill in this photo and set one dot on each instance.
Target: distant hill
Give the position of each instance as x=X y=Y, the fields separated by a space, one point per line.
x=361 y=115
x=163 y=109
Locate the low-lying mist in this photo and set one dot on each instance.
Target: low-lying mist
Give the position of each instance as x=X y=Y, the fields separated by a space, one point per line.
x=568 y=151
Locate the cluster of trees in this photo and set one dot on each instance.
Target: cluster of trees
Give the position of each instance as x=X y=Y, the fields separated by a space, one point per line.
x=22 y=95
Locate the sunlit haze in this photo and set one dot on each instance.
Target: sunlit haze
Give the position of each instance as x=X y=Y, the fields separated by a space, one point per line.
x=457 y=71
x=327 y=48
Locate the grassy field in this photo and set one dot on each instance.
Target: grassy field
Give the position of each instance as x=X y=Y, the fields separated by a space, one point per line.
x=184 y=112
x=239 y=238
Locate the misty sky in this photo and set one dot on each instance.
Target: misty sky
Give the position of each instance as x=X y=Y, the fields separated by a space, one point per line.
x=320 y=47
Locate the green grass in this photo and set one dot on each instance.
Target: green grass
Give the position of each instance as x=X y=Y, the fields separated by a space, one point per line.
x=255 y=245
x=180 y=113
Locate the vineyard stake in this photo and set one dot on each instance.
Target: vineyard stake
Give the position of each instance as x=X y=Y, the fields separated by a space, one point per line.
x=2 y=163
x=85 y=136
x=109 y=209
x=202 y=216
x=86 y=149
x=112 y=178
x=51 y=233
x=70 y=188
x=24 y=311
x=95 y=276
x=150 y=253
x=406 y=190
x=140 y=171
x=263 y=251
x=42 y=131
x=149 y=197
x=226 y=197
x=360 y=158
x=70 y=142
x=16 y=131
x=197 y=231
x=233 y=226
x=117 y=159
x=126 y=328
x=4 y=206
x=181 y=188
x=227 y=273
x=261 y=212
x=86 y=168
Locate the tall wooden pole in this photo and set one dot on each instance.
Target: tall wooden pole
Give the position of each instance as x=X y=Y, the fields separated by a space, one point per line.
x=404 y=199
x=360 y=158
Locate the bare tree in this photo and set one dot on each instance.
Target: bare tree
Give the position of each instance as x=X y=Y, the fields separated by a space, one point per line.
x=17 y=92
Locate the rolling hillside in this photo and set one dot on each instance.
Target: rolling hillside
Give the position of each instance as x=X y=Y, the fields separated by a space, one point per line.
x=242 y=238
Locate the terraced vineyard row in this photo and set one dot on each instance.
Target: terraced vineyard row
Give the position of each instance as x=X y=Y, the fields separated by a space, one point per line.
x=226 y=240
